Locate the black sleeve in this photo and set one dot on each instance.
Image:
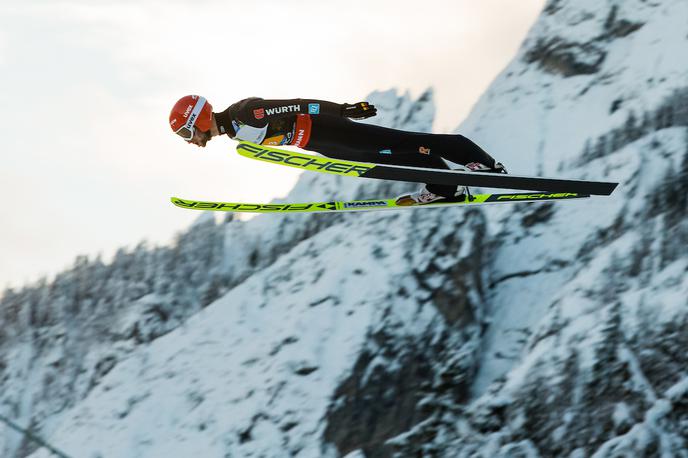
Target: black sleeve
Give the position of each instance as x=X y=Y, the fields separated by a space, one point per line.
x=259 y=112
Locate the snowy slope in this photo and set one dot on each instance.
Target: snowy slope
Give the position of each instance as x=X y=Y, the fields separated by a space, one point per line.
x=291 y=265
x=587 y=299
x=544 y=106
x=557 y=113
x=254 y=373
x=525 y=330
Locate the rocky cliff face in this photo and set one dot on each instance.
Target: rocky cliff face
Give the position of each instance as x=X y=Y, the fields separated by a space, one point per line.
x=587 y=302
x=525 y=330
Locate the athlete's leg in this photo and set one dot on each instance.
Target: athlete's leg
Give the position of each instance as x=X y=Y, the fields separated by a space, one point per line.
x=346 y=139
x=341 y=136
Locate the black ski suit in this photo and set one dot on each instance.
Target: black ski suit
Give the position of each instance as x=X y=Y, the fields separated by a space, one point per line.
x=320 y=126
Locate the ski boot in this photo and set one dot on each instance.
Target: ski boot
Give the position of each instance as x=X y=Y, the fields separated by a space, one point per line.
x=478 y=167
x=423 y=197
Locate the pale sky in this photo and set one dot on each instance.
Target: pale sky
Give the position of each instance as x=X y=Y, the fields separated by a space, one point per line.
x=88 y=160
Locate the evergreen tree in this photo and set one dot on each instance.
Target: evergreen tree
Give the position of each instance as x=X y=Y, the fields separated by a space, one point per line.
x=682 y=185
x=39 y=313
x=658 y=119
x=647 y=125
x=618 y=140
x=587 y=150
x=664 y=117
x=600 y=147
x=632 y=130
x=669 y=115
x=681 y=107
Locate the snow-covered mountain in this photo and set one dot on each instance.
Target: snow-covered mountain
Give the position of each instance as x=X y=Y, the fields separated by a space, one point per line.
x=530 y=330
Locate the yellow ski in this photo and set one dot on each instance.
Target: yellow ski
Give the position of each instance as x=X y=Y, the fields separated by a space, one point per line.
x=365 y=205
x=322 y=164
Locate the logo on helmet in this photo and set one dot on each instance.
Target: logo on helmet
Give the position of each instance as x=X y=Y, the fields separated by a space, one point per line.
x=188 y=110
x=190 y=122
x=259 y=113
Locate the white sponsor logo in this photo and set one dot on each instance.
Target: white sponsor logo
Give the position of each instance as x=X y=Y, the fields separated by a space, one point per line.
x=191 y=120
x=188 y=110
x=380 y=203
x=537 y=196
x=284 y=109
x=299 y=137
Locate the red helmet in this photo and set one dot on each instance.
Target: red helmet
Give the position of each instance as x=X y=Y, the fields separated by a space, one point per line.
x=189 y=112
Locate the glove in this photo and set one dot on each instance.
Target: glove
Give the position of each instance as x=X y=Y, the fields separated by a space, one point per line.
x=360 y=110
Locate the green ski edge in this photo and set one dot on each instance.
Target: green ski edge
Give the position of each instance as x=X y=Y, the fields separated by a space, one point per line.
x=365 y=205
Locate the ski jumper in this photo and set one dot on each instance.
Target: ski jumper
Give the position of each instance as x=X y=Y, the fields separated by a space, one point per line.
x=318 y=125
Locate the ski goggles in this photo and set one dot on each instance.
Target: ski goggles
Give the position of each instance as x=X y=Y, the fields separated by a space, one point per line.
x=188 y=129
